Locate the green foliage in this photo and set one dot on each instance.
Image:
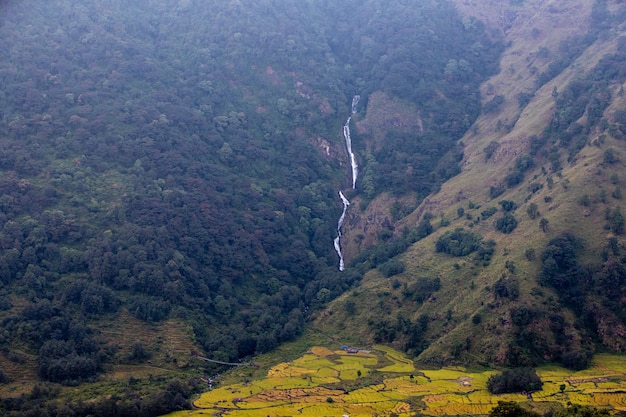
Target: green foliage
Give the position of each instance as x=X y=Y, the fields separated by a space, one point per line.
x=493 y=106
x=560 y=268
x=421 y=289
x=458 y=242
x=514 y=380
x=173 y=396
x=588 y=94
x=506 y=224
x=485 y=251
x=496 y=191
x=139 y=353
x=149 y=309
x=577 y=359
x=581 y=287
x=491 y=149
x=67 y=361
x=424 y=228
x=413 y=333
x=4 y=379
x=391 y=268
x=508 y=205
x=522 y=315
x=615 y=220
x=609 y=156
x=511 y=409
x=488 y=212
x=506 y=288
x=532 y=210
x=575 y=410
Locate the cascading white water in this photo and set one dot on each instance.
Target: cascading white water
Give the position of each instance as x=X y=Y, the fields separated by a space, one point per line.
x=355 y=102
x=353 y=164
x=355 y=173
x=346 y=203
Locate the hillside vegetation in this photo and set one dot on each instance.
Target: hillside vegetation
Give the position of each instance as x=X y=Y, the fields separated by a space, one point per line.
x=519 y=258
x=169 y=178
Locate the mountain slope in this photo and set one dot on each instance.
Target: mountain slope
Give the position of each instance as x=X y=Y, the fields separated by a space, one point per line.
x=169 y=178
x=541 y=186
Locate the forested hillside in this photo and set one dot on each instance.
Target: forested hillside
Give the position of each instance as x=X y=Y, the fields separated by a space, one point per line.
x=519 y=259
x=169 y=176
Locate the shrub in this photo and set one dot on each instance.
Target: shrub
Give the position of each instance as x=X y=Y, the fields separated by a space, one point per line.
x=391 y=268
x=485 y=251
x=422 y=288
x=149 y=308
x=506 y=224
x=522 y=315
x=514 y=179
x=506 y=288
x=508 y=205
x=458 y=242
x=488 y=212
x=496 y=191
x=4 y=379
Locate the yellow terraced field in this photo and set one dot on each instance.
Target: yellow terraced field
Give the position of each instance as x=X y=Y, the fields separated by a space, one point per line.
x=315 y=385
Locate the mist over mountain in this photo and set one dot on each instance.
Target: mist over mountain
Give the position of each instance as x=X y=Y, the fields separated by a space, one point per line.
x=169 y=178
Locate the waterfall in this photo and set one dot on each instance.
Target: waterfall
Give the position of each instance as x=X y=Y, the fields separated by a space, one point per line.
x=355 y=102
x=346 y=203
x=355 y=173
x=353 y=164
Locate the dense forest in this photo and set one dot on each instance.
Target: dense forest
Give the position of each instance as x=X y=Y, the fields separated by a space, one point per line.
x=183 y=160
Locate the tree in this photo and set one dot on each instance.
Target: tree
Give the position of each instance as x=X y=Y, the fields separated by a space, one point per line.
x=514 y=380
x=532 y=210
x=458 y=242
x=616 y=221
x=391 y=268
x=543 y=224
x=506 y=224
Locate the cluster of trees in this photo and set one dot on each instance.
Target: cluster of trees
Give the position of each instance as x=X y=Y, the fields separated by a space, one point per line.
x=588 y=95
x=411 y=333
x=459 y=242
x=591 y=290
x=43 y=401
x=176 y=175
x=514 y=380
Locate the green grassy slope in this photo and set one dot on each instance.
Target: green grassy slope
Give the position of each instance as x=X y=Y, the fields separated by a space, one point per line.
x=470 y=318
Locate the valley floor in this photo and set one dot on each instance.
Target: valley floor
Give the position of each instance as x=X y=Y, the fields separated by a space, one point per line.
x=325 y=382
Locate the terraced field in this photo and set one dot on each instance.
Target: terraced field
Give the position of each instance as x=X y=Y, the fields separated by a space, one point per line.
x=384 y=382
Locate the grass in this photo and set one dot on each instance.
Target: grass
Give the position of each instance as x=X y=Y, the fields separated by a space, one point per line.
x=393 y=385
